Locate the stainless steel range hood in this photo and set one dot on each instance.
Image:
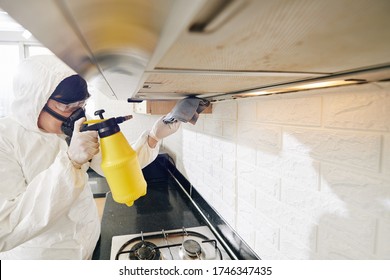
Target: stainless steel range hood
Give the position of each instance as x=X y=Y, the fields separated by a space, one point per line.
x=215 y=49
x=108 y=42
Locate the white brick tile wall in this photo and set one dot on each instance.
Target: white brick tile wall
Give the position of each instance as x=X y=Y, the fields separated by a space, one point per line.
x=260 y=180
x=199 y=124
x=225 y=110
x=229 y=198
x=259 y=136
x=298 y=176
x=227 y=146
x=216 y=157
x=361 y=109
x=214 y=185
x=366 y=192
x=246 y=110
x=286 y=217
x=247 y=211
x=334 y=245
x=229 y=129
x=386 y=156
x=204 y=139
x=382 y=249
x=292 y=247
x=302 y=171
x=213 y=127
x=356 y=227
x=246 y=214
x=303 y=200
x=223 y=176
x=206 y=191
x=351 y=148
x=302 y=111
x=246 y=192
x=246 y=154
x=269 y=161
x=245 y=227
x=268 y=251
x=267 y=230
x=269 y=185
x=247 y=172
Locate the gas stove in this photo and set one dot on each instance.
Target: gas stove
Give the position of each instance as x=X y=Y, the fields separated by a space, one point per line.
x=196 y=243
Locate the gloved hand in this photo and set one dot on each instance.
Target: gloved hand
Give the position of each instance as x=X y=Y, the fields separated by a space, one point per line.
x=161 y=130
x=83 y=145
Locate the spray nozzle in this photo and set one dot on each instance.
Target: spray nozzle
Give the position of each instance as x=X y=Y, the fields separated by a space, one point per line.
x=117 y=119
x=123 y=119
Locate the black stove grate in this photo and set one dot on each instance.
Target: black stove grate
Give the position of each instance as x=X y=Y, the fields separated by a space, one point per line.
x=143 y=249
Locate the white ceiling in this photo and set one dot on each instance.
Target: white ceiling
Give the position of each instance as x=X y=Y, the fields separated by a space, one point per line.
x=12 y=31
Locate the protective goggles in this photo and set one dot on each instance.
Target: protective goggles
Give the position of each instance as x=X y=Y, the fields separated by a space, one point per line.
x=66 y=108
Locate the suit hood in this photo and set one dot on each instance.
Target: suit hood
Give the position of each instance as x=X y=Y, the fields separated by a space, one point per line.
x=35 y=80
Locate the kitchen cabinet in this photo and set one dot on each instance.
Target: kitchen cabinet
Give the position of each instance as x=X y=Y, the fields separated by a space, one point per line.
x=99 y=188
x=152 y=107
x=100 y=203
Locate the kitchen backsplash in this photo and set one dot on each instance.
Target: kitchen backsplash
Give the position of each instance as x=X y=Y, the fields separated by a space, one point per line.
x=298 y=176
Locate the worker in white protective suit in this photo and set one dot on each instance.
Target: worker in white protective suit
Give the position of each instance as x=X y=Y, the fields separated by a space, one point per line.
x=47 y=210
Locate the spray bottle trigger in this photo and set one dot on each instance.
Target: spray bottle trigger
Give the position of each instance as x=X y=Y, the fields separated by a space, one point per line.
x=99 y=113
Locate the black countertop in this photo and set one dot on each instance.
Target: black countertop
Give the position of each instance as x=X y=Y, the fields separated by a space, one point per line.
x=165 y=206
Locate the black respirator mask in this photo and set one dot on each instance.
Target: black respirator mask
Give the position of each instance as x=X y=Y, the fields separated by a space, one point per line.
x=67 y=122
x=72 y=90
x=68 y=125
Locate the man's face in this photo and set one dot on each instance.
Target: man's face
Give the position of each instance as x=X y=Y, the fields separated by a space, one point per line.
x=51 y=124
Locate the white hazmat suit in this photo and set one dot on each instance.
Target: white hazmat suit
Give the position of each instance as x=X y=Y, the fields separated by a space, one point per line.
x=47 y=210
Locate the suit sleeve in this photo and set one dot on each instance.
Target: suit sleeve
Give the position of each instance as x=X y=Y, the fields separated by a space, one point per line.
x=26 y=209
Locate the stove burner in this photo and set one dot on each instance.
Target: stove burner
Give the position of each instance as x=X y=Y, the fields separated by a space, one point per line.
x=192 y=248
x=144 y=250
x=185 y=244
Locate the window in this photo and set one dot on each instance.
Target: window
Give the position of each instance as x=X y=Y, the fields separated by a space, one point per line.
x=9 y=59
x=36 y=50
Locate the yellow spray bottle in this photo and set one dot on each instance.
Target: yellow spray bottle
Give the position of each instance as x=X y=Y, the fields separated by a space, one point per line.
x=119 y=161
